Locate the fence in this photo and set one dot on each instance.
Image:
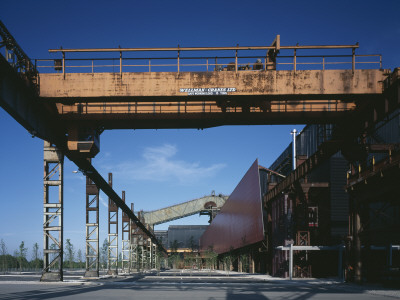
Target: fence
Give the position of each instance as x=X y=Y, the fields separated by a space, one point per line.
x=267 y=58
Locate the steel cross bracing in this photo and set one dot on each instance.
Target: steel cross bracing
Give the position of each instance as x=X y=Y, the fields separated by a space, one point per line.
x=361 y=121
x=182 y=210
x=112 y=234
x=133 y=244
x=53 y=214
x=20 y=100
x=92 y=173
x=126 y=241
x=16 y=56
x=40 y=119
x=92 y=229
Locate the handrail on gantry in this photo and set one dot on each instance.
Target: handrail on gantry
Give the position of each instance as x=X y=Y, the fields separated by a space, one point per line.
x=269 y=58
x=204 y=48
x=15 y=56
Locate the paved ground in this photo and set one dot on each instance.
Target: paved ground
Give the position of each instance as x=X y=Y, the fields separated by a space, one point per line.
x=185 y=285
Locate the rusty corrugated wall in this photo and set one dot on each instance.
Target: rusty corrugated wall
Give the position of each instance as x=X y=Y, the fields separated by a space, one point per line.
x=240 y=221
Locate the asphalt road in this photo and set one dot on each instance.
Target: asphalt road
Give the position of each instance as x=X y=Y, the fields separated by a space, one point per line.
x=185 y=286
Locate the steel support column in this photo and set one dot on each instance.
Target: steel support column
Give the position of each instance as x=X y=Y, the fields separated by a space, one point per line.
x=126 y=243
x=53 y=212
x=133 y=244
x=153 y=255
x=144 y=253
x=92 y=229
x=150 y=254
x=112 y=234
x=156 y=258
x=141 y=253
x=357 y=243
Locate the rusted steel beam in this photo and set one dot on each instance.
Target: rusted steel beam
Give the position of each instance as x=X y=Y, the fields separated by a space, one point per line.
x=216 y=86
x=182 y=210
x=19 y=99
x=362 y=121
x=92 y=173
x=61 y=50
x=375 y=170
x=322 y=154
x=382 y=148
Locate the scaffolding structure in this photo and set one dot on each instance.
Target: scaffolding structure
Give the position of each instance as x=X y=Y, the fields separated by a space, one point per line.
x=92 y=229
x=52 y=212
x=126 y=243
x=112 y=234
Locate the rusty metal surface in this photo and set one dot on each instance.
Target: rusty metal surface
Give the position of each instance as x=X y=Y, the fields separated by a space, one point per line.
x=240 y=221
x=162 y=84
x=182 y=210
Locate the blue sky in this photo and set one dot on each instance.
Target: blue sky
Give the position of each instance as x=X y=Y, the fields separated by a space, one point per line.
x=158 y=168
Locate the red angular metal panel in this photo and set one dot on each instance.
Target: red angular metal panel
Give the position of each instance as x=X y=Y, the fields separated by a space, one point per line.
x=240 y=221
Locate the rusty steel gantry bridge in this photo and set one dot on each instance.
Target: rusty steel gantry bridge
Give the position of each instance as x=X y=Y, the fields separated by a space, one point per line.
x=73 y=99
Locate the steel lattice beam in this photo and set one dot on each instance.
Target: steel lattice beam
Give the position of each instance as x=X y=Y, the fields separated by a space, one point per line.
x=126 y=243
x=112 y=233
x=92 y=229
x=53 y=215
x=182 y=210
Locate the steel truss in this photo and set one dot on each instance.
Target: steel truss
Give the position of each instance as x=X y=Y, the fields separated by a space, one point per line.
x=112 y=234
x=92 y=229
x=153 y=255
x=134 y=246
x=52 y=212
x=126 y=241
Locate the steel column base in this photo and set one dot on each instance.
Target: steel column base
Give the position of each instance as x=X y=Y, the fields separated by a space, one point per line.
x=51 y=276
x=92 y=274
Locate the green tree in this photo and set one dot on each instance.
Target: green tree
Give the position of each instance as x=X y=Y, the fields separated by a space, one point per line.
x=192 y=244
x=159 y=257
x=22 y=251
x=174 y=260
x=3 y=253
x=80 y=257
x=228 y=258
x=69 y=249
x=119 y=262
x=174 y=246
x=211 y=259
x=36 y=261
x=243 y=261
x=104 y=254
x=190 y=261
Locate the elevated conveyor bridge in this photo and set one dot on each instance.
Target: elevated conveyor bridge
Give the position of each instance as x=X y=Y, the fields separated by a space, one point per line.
x=205 y=204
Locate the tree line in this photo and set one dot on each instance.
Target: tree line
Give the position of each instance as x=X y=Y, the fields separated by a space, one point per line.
x=21 y=260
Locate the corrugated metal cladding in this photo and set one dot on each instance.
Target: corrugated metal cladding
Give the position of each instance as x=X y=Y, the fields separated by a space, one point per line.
x=332 y=171
x=162 y=237
x=186 y=236
x=386 y=132
x=339 y=198
x=307 y=142
x=240 y=221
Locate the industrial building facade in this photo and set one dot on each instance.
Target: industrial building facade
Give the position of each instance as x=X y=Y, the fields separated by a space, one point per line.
x=181 y=237
x=317 y=210
x=313 y=211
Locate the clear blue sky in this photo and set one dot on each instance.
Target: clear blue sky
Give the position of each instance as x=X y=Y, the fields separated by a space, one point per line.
x=164 y=167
